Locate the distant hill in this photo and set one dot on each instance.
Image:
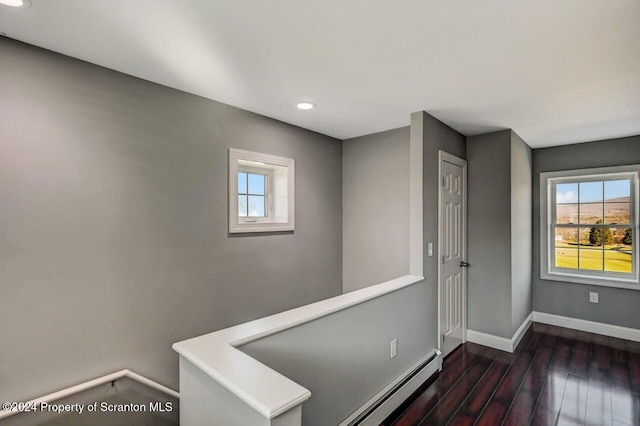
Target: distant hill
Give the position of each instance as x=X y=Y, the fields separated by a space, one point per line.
x=618 y=200
x=616 y=210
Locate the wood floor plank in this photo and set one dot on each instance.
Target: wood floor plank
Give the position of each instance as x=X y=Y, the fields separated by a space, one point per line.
x=423 y=405
x=625 y=406
x=579 y=362
x=574 y=402
x=524 y=404
x=522 y=408
x=544 y=418
x=599 y=412
x=501 y=400
x=556 y=376
x=480 y=395
x=550 y=400
x=537 y=374
x=447 y=407
x=634 y=371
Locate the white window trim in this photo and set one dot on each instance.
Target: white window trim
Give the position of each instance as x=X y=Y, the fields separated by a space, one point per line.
x=611 y=279
x=266 y=224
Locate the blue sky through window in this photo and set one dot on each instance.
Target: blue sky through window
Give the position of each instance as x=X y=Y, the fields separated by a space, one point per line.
x=592 y=191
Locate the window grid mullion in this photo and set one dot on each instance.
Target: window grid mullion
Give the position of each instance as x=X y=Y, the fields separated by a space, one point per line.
x=579 y=223
x=604 y=239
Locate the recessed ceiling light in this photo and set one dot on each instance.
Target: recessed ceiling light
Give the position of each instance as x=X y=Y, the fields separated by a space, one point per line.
x=15 y=3
x=306 y=105
x=23 y=4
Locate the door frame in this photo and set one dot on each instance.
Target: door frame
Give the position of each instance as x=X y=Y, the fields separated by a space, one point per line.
x=450 y=158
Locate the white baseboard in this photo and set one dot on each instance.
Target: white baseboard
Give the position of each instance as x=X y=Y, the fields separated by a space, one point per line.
x=500 y=343
x=589 y=326
x=64 y=393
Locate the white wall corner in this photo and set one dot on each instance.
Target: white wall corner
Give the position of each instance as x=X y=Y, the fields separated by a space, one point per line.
x=588 y=326
x=501 y=343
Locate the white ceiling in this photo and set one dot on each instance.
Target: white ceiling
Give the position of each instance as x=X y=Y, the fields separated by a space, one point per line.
x=555 y=71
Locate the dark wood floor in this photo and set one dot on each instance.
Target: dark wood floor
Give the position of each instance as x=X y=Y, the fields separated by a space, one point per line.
x=555 y=376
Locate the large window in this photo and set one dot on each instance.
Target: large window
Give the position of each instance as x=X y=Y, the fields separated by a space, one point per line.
x=589 y=220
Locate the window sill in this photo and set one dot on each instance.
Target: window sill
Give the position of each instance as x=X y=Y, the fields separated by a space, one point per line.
x=631 y=284
x=247 y=227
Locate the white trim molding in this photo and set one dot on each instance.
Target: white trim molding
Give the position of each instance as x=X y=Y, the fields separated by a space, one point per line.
x=501 y=343
x=548 y=271
x=279 y=192
x=589 y=326
x=73 y=390
x=265 y=390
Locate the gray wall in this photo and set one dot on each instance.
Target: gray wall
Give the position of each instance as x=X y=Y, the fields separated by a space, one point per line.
x=113 y=222
x=436 y=136
x=499 y=219
x=617 y=306
x=521 y=233
x=375 y=208
x=343 y=358
x=489 y=235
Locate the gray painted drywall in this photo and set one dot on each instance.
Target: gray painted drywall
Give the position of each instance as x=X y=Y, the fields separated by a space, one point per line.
x=375 y=208
x=521 y=232
x=617 y=306
x=436 y=136
x=489 y=233
x=343 y=358
x=499 y=220
x=113 y=222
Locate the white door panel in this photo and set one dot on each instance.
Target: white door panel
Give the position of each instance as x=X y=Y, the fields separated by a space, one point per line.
x=452 y=252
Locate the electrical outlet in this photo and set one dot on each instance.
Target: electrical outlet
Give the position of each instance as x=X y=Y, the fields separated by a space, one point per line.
x=430 y=249
x=394 y=348
x=593 y=297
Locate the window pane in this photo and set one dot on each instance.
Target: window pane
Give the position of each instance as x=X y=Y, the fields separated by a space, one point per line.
x=567 y=213
x=567 y=258
x=242 y=205
x=256 y=205
x=591 y=192
x=566 y=193
x=242 y=183
x=591 y=259
x=256 y=184
x=590 y=213
x=596 y=236
x=566 y=237
x=617 y=213
x=617 y=190
x=584 y=237
x=619 y=260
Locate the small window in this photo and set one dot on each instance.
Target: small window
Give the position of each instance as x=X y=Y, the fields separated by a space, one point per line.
x=261 y=192
x=589 y=226
x=252 y=193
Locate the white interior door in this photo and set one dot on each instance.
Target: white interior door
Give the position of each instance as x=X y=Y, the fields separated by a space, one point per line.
x=453 y=249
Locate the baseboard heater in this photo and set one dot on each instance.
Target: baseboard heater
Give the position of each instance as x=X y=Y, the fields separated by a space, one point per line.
x=378 y=408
